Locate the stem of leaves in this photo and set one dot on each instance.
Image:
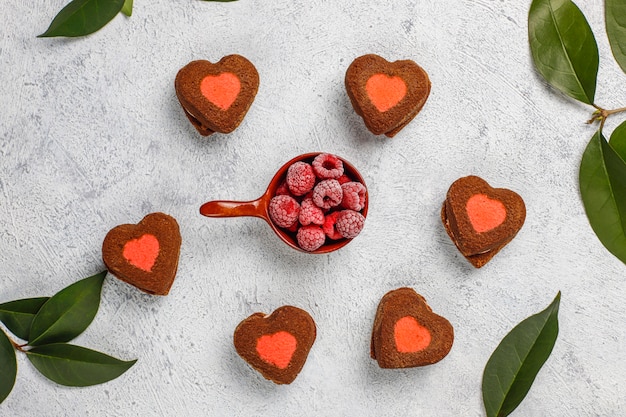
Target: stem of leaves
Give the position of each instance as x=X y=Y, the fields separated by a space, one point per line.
x=16 y=345
x=600 y=115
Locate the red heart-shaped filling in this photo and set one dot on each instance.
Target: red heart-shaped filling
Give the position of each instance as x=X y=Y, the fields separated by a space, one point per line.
x=407 y=333
x=276 y=345
x=485 y=213
x=217 y=96
x=221 y=90
x=145 y=254
x=481 y=219
x=385 y=91
x=410 y=336
x=387 y=95
x=277 y=349
x=142 y=252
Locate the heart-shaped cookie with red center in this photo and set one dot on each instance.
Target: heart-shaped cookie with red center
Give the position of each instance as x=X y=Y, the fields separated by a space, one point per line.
x=276 y=345
x=216 y=97
x=407 y=333
x=481 y=219
x=146 y=254
x=387 y=95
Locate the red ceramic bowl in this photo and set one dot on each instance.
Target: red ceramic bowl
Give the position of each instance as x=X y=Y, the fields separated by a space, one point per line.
x=259 y=207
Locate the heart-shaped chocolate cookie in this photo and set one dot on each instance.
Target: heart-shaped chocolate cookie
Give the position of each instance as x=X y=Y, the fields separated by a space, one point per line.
x=276 y=345
x=407 y=333
x=145 y=254
x=216 y=97
x=481 y=219
x=387 y=95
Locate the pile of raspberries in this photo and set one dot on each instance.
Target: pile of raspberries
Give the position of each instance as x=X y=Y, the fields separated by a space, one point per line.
x=317 y=201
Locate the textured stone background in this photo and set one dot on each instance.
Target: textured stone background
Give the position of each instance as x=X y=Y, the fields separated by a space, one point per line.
x=92 y=136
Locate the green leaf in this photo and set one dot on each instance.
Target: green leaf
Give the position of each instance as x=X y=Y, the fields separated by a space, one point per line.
x=82 y=17
x=514 y=364
x=8 y=366
x=18 y=315
x=68 y=313
x=563 y=47
x=618 y=140
x=602 y=178
x=76 y=366
x=127 y=9
x=615 y=16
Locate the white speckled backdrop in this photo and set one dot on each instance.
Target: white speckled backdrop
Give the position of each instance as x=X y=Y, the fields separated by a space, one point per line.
x=92 y=136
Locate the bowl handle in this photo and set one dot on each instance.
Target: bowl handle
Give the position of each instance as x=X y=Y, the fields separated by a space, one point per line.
x=225 y=208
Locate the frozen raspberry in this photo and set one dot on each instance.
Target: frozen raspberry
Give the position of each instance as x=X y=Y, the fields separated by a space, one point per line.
x=353 y=196
x=300 y=178
x=329 y=226
x=283 y=189
x=284 y=210
x=327 y=194
x=349 y=223
x=327 y=166
x=294 y=227
x=310 y=238
x=310 y=213
x=343 y=179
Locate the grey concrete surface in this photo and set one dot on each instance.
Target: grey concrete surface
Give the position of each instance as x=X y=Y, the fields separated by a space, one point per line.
x=92 y=136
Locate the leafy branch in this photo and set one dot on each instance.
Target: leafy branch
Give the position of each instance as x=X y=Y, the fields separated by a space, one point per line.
x=84 y=17
x=47 y=324
x=565 y=53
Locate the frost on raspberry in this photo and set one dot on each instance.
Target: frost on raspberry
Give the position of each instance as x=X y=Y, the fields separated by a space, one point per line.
x=349 y=223
x=327 y=194
x=327 y=166
x=300 y=178
x=353 y=196
x=310 y=238
x=310 y=213
x=284 y=210
x=329 y=226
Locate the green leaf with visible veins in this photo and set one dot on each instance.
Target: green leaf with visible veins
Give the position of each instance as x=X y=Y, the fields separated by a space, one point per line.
x=18 y=315
x=602 y=178
x=618 y=140
x=127 y=9
x=83 y=17
x=8 y=366
x=76 y=366
x=513 y=366
x=563 y=47
x=67 y=313
x=615 y=17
